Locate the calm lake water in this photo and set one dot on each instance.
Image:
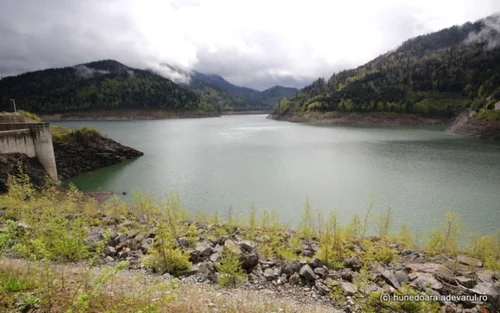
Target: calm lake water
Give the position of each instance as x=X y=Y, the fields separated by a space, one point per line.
x=238 y=161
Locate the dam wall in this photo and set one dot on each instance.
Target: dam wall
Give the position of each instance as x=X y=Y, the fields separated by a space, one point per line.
x=32 y=139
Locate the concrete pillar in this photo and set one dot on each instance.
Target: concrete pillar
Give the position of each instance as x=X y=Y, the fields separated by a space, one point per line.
x=44 y=149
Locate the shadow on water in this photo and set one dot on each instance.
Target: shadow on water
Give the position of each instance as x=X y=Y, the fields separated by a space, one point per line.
x=98 y=179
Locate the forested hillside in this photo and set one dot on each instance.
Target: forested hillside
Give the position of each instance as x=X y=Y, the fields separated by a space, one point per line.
x=438 y=74
x=98 y=85
x=225 y=96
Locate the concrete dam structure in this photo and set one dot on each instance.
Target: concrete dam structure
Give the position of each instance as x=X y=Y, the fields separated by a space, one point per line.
x=32 y=139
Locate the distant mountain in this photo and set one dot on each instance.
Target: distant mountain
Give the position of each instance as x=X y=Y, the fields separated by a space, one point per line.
x=105 y=84
x=441 y=73
x=218 y=92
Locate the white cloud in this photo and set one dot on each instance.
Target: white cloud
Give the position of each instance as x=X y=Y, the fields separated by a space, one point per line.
x=256 y=43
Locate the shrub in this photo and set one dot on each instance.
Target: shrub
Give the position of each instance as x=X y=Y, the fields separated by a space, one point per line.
x=164 y=256
x=488 y=115
x=30 y=115
x=444 y=238
x=230 y=270
x=486 y=248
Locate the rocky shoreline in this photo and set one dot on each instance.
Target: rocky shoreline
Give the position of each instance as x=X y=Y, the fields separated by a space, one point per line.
x=347 y=288
x=124 y=115
x=464 y=125
x=363 y=119
x=84 y=152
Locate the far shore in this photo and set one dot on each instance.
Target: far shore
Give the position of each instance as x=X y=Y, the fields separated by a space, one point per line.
x=362 y=119
x=118 y=115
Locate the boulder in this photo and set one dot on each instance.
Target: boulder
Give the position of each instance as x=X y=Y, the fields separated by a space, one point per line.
x=110 y=251
x=291 y=267
x=425 y=281
x=322 y=288
x=320 y=271
x=271 y=273
x=204 y=248
x=390 y=278
x=247 y=245
x=315 y=262
x=465 y=281
x=353 y=263
x=348 y=288
x=438 y=270
x=402 y=277
x=485 y=276
x=307 y=273
x=469 y=261
x=249 y=261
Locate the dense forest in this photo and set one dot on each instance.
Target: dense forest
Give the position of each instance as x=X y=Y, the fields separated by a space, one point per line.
x=98 y=85
x=109 y=84
x=441 y=73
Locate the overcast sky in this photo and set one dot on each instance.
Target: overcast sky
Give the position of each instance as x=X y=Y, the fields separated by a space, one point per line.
x=253 y=43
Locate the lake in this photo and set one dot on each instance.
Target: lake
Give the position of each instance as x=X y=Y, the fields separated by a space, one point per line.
x=234 y=162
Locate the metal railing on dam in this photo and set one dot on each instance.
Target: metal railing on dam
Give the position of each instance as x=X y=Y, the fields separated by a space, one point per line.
x=32 y=139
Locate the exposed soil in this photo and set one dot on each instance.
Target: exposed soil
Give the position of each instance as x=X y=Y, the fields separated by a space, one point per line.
x=30 y=166
x=467 y=126
x=376 y=118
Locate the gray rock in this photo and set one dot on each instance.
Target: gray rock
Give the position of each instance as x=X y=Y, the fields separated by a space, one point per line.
x=294 y=279
x=485 y=276
x=348 y=288
x=465 y=281
x=215 y=257
x=183 y=241
x=109 y=259
x=425 y=281
x=347 y=275
x=232 y=246
x=247 y=245
x=206 y=272
x=110 y=250
x=353 y=263
x=320 y=271
x=492 y=291
x=249 y=261
x=390 y=278
x=204 y=249
x=402 y=277
x=291 y=267
x=315 y=262
x=322 y=288
x=469 y=261
x=439 y=270
x=307 y=273
x=270 y=274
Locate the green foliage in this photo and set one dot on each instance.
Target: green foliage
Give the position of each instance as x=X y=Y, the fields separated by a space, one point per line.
x=404 y=237
x=488 y=115
x=82 y=302
x=307 y=223
x=60 y=133
x=436 y=74
x=56 y=238
x=30 y=115
x=444 y=238
x=15 y=281
x=331 y=242
x=165 y=256
x=384 y=223
x=230 y=270
x=98 y=85
x=486 y=248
